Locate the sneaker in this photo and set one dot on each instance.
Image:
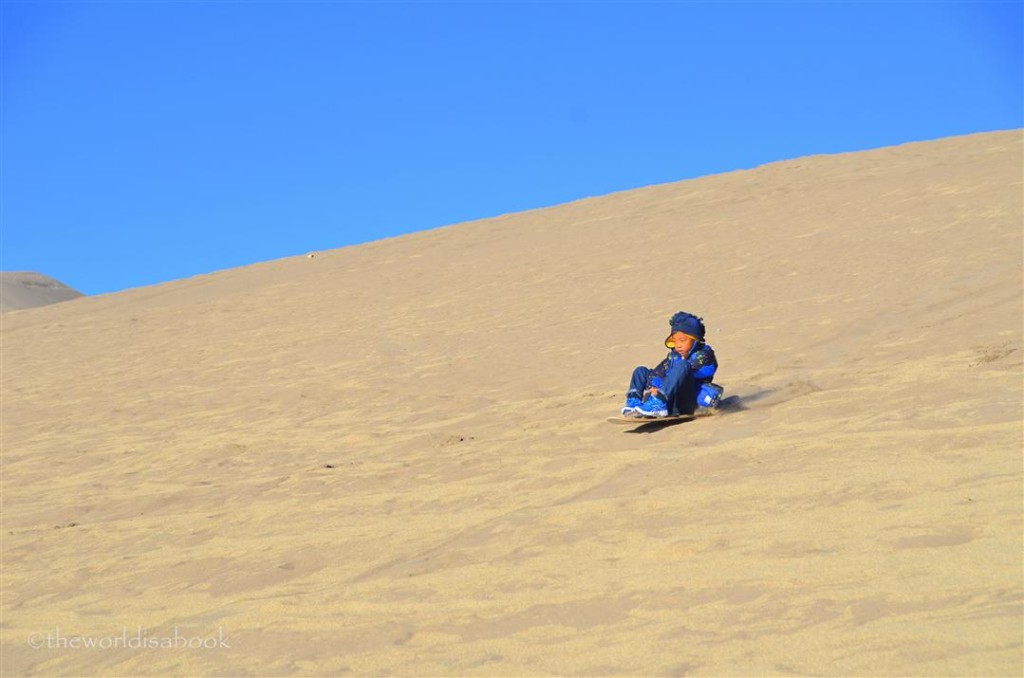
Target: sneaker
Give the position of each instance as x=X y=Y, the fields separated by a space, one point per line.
x=632 y=405
x=653 y=407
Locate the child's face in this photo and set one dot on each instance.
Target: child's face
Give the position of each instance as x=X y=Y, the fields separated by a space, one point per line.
x=681 y=343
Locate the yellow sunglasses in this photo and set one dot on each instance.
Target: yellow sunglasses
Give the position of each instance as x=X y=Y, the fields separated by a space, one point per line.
x=671 y=341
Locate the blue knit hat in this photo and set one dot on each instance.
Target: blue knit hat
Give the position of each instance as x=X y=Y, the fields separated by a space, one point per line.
x=687 y=323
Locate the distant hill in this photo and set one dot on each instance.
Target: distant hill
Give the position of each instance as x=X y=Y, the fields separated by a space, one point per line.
x=27 y=289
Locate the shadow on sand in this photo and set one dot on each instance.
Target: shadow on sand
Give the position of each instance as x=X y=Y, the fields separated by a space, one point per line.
x=652 y=425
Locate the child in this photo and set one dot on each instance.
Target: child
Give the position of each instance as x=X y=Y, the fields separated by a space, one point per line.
x=682 y=381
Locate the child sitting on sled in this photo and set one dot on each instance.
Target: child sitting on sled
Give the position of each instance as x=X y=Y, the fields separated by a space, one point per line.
x=682 y=381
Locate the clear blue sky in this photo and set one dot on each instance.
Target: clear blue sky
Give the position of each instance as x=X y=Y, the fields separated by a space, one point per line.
x=148 y=141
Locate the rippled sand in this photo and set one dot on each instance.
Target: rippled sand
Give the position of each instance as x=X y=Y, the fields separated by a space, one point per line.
x=393 y=458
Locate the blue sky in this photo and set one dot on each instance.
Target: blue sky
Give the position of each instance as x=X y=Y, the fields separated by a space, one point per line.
x=149 y=141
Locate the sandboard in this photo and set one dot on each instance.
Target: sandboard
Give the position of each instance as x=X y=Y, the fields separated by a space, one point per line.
x=639 y=421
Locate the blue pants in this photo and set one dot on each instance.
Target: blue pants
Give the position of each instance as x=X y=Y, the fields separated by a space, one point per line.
x=678 y=387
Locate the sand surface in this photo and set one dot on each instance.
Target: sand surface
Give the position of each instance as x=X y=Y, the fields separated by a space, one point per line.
x=28 y=289
x=393 y=459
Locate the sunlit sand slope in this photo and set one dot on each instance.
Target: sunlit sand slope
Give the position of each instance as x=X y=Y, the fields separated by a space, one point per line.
x=393 y=459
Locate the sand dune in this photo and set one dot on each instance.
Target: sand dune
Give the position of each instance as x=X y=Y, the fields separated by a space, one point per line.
x=27 y=289
x=392 y=458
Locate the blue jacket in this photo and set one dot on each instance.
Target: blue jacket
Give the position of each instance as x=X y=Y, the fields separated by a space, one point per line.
x=702 y=363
